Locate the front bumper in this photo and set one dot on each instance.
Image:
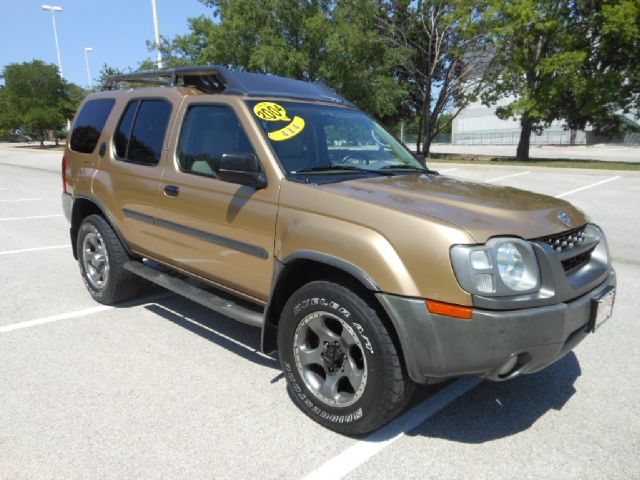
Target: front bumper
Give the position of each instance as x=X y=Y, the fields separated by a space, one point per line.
x=438 y=347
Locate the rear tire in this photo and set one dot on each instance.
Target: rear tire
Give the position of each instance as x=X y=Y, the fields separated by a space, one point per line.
x=101 y=257
x=341 y=365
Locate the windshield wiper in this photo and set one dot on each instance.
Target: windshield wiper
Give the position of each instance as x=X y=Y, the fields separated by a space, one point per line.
x=404 y=166
x=350 y=168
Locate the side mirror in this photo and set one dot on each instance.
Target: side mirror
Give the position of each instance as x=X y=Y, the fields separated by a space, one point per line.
x=421 y=158
x=241 y=168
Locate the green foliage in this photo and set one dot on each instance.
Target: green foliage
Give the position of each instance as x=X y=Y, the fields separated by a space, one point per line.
x=607 y=82
x=36 y=98
x=338 y=43
x=574 y=60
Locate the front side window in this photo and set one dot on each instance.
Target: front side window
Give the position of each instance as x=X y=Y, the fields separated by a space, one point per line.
x=321 y=140
x=141 y=131
x=208 y=131
x=89 y=124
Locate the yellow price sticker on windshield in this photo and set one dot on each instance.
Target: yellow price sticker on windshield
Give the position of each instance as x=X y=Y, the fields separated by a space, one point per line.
x=271 y=112
x=291 y=130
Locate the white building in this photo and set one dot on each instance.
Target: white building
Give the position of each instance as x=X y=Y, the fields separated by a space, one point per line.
x=478 y=125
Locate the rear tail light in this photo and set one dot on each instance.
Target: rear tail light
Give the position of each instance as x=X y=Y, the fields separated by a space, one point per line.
x=64 y=173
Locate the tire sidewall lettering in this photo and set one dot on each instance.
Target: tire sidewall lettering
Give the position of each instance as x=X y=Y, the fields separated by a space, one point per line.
x=337 y=309
x=315 y=409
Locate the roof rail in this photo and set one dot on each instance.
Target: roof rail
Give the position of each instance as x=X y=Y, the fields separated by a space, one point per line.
x=218 y=79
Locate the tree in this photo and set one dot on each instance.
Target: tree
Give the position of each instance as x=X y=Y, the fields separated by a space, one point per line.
x=337 y=43
x=442 y=57
x=35 y=97
x=607 y=83
x=563 y=59
x=358 y=62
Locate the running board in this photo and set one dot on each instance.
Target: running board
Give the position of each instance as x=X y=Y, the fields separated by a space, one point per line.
x=221 y=304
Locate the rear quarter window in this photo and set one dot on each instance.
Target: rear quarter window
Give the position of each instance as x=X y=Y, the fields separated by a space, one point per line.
x=89 y=125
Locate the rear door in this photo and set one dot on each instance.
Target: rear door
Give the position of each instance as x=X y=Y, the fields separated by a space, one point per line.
x=218 y=230
x=130 y=170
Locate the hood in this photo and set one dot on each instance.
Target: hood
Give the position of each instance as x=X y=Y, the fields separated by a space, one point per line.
x=483 y=210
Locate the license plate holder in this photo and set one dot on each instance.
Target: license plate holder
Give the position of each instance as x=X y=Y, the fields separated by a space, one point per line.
x=602 y=309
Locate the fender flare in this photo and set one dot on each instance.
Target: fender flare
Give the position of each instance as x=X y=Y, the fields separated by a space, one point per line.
x=105 y=213
x=269 y=325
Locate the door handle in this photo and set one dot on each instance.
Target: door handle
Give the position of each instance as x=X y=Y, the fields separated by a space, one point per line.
x=171 y=190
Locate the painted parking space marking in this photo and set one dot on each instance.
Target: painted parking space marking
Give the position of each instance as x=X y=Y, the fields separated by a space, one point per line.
x=508 y=176
x=80 y=313
x=37 y=249
x=54 y=318
x=21 y=200
x=602 y=182
x=33 y=217
x=356 y=455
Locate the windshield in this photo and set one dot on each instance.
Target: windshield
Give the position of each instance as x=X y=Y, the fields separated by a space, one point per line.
x=322 y=140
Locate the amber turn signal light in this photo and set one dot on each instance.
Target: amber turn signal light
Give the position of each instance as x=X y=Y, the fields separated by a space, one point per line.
x=449 y=310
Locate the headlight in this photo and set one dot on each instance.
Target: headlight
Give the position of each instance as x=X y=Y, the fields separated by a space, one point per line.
x=512 y=268
x=504 y=266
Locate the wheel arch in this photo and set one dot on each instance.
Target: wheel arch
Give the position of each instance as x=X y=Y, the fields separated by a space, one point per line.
x=83 y=206
x=300 y=268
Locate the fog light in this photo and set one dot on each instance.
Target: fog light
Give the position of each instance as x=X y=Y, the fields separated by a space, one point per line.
x=484 y=283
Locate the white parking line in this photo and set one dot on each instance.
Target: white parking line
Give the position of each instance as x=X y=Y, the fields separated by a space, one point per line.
x=508 y=176
x=54 y=318
x=354 y=456
x=447 y=170
x=10 y=252
x=79 y=313
x=34 y=217
x=588 y=186
x=21 y=200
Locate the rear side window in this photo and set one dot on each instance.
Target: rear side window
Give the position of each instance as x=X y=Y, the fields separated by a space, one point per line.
x=141 y=131
x=208 y=131
x=89 y=124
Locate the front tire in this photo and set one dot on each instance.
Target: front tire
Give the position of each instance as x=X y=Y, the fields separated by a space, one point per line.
x=101 y=258
x=341 y=365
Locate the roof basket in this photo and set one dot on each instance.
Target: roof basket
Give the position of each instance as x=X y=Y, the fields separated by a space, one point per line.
x=218 y=79
x=207 y=79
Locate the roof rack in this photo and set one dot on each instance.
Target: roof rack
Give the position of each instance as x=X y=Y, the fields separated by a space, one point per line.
x=218 y=79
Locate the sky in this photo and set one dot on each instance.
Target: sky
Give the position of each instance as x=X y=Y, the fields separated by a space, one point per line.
x=117 y=30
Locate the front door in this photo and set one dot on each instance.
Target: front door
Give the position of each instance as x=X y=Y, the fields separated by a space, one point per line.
x=218 y=230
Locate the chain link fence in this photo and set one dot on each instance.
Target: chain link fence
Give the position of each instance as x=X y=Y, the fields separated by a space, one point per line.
x=512 y=137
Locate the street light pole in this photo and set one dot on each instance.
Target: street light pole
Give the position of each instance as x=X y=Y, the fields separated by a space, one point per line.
x=54 y=9
x=86 y=59
x=157 y=32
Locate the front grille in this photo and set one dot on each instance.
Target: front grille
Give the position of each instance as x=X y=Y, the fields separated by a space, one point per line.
x=573 y=247
x=565 y=241
x=577 y=261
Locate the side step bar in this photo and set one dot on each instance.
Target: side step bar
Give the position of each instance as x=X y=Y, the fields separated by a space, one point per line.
x=221 y=304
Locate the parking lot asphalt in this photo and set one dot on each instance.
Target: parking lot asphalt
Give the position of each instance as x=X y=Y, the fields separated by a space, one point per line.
x=163 y=388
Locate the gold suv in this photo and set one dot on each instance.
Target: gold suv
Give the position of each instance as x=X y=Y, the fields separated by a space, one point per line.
x=279 y=204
